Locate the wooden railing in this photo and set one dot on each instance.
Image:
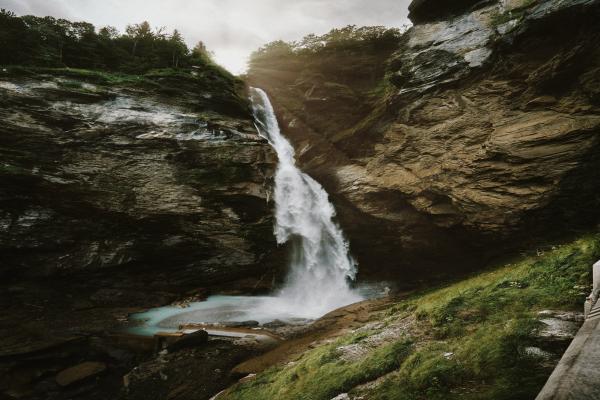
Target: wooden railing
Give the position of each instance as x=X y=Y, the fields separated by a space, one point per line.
x=577 y=375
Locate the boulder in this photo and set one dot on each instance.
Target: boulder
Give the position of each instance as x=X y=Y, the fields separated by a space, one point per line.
x=194 y=339
x=555 y=329
x=79 y=373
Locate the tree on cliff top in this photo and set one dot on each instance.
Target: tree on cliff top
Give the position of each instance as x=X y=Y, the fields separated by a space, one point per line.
x=341 y=52
x=350 y=38
x=51 y=42
x=200 y=54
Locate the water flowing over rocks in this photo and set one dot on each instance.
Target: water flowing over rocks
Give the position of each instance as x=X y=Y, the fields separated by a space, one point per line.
x=486 y=139
x=320 y=265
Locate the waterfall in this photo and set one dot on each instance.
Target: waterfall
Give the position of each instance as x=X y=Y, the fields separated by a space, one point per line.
x=320 y=264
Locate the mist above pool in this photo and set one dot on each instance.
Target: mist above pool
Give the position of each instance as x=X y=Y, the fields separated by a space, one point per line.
x=217 y=310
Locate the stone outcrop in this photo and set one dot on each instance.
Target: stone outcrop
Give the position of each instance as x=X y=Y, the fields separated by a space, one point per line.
x=193 y=339
x=431 y=10
x=186 y=374
x=80 y=372
x=487 y=140
x=116 y=196
x=129 y=185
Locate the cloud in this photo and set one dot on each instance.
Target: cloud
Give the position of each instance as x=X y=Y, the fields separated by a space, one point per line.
x=232 y=29
x=37 y=7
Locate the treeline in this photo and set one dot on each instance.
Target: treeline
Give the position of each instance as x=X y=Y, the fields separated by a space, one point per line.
x=348 y=39
x=52 y=42
x=348 y=53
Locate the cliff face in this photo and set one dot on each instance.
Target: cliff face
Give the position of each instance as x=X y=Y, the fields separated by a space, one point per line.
x=120 y=192
x=152 y=185
x=483 y=135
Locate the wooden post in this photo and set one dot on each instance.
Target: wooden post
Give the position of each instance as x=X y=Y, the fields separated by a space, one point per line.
x=592 y=299
x=596 y=279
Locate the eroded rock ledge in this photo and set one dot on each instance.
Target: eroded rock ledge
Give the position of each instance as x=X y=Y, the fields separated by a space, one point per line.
x=128 y=182
x=119 y=193
x=486 y=139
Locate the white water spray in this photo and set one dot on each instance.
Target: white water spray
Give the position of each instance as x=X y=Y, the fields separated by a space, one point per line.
x=320 y=265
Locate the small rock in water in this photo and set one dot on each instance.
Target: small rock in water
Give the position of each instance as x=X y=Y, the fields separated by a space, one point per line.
x=79 y=372
x=299 y=321
x=193 y=339
x=290 y=322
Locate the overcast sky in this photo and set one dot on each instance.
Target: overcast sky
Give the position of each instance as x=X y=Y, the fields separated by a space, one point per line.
x=232 y=29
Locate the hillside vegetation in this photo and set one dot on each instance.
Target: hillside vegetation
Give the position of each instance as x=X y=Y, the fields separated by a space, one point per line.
x=333 y=80
x=348 y=54
x=478 y=338
x=50 y=42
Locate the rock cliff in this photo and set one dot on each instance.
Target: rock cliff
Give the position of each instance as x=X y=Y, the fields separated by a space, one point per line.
x=153 y=185
x=480 y=135
x=120 y=192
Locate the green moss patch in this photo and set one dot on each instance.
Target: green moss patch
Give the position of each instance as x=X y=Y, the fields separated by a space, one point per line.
x=322 y=374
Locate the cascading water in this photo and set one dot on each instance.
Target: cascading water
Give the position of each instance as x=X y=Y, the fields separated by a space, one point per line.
x=320 y=265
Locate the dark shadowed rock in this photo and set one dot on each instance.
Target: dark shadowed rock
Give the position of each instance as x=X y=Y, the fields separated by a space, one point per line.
x=131 y=183
x=195 y=373
x=115 y=198
x=431 y=10
x=193 y=339
x=240 y=324
x=79 y=373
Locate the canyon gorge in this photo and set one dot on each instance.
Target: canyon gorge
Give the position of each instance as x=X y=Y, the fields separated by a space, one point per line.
x=453 y=165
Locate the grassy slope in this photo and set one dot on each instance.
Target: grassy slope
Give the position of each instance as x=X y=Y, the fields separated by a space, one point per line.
x=485 y=321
